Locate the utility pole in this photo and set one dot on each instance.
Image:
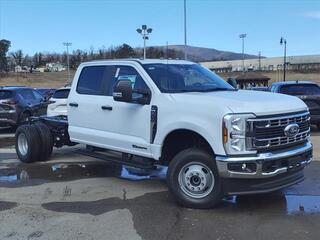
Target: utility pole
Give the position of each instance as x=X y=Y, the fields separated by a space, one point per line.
x=259 y=69
x=144 y=31
x=185 y=29
x=284 y=41
x=243 y=35
x=67 y=44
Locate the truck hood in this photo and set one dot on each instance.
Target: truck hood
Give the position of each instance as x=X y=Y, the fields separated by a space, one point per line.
x=245 y=101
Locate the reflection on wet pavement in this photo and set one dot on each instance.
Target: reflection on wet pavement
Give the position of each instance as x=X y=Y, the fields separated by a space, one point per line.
x=32 y=174
x=18 y=174
x=276 y=203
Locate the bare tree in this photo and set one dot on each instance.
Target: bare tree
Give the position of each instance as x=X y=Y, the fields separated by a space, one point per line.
x=18 y=57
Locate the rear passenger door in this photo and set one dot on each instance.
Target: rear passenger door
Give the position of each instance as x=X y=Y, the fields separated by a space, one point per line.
x=30 y=101
x=84 y=104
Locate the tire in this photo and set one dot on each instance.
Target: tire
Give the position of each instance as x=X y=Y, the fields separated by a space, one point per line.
x=201 y=169
x=27 y=143
x=46 y=141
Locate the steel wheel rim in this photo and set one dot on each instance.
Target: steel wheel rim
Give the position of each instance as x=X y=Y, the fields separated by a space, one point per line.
x=23 y=144
x=196 y=180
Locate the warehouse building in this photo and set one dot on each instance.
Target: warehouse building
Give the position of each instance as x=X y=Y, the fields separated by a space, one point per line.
x=307 y=63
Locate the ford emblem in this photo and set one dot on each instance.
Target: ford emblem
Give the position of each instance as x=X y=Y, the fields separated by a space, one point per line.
x=291 y=130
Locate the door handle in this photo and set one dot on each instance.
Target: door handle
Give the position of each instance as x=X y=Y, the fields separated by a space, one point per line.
x=73 y=104
x=106 y=108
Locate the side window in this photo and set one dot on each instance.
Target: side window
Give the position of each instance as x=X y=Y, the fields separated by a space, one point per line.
x=27 y=94
x=95 y=80
x=61 y=94
x=37 y=96
x=129 y=73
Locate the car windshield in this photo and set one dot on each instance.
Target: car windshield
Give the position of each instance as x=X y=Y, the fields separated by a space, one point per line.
x=176 y=78
x=4 y=94
x=301 y=89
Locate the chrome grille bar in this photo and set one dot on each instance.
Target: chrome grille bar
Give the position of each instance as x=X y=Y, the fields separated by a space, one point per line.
x=268 y=133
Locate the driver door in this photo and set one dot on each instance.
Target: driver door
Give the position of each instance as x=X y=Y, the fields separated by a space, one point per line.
x=129 y=123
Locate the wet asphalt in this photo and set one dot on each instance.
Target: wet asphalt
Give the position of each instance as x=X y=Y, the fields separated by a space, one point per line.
x=77 y=197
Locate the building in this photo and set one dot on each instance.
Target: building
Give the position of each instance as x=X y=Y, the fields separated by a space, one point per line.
x=249 y=80
x=307 y=63
x=55 y=67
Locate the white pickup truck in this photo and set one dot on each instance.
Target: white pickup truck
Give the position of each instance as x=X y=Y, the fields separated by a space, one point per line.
x=215 y=140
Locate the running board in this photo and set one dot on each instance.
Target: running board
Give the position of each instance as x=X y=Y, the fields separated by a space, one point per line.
x=120 y=158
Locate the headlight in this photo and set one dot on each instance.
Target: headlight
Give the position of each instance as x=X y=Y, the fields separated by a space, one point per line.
x=234 y=131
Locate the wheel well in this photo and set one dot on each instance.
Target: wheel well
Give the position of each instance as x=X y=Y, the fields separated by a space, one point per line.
x=179 y=140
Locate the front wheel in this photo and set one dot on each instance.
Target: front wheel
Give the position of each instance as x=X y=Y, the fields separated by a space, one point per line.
x=194 y=180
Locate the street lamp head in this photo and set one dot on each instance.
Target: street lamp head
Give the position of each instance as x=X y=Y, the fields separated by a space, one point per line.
x=67 y=43
x=149 y=30
x=243 y=35
x=139 y=30
x=144 y=27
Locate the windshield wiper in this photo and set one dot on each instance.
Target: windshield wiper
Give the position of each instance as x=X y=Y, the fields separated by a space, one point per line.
x=218 y=89
x=207 y=90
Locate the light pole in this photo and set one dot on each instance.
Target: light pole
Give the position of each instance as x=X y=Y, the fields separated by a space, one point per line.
x=243 y=35
x=144 y=31
x=185 y=30
x=284 y=41
x=67 y=44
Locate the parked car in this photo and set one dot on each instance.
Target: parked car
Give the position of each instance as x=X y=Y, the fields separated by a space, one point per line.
x=58 y=102
x=17 y=104
x=307 y=91
x=215 y=140
x=46 y=92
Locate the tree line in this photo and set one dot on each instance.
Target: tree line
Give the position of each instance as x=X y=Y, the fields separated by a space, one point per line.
x=9 y=60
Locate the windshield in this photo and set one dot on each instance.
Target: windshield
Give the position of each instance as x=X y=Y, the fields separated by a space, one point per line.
x=175 y=78
x=301 y=89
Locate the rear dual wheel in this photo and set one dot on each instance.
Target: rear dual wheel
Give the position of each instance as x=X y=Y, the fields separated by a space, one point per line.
x=33 y=142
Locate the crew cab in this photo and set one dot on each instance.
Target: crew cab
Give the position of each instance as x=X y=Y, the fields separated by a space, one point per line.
x=216 y=140
x=307 y=91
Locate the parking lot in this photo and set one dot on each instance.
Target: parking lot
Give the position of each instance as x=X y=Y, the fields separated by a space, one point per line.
x=73 y=196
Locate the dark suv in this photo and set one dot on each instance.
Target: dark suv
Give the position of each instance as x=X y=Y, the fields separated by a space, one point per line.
x=17 y=104
x=307 y=91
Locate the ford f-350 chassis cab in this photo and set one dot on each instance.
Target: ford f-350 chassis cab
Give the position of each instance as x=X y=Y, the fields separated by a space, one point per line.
x=215 y=140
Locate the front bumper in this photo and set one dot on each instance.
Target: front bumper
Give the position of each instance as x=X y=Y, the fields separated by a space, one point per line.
x=263 y=172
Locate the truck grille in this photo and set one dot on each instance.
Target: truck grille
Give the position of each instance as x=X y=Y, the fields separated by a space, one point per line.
x=269 y=133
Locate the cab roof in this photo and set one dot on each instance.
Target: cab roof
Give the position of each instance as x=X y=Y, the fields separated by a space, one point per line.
x=142 y=61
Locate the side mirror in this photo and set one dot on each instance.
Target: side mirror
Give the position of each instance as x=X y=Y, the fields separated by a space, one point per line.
x=122 y=92
x=142 y=96
x=232 y=82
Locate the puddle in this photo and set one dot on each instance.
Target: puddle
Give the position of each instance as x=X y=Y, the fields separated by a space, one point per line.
x=40 y=173
x=277 y=202
x=302 y=204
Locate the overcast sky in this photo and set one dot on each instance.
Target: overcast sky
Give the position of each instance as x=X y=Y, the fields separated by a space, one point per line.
x=42 y=25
